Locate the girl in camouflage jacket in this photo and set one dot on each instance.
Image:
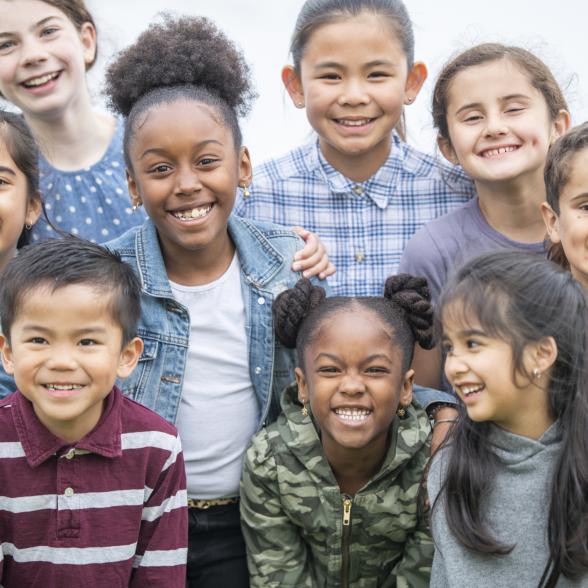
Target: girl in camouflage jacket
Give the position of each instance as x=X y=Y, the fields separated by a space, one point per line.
x=330 y=492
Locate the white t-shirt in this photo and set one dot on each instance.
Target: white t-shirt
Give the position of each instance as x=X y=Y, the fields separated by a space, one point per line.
x=219 y=411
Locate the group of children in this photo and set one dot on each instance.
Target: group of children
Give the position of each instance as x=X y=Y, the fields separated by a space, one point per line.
x=201 y=310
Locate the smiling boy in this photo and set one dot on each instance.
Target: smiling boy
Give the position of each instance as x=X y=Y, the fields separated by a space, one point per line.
x=92 y=484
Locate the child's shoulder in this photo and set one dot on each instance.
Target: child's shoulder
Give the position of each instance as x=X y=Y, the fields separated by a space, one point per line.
x=137 y=418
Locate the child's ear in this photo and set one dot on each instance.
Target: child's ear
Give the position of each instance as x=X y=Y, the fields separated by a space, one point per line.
x=33 y=213
x=245 y=167
x=551 y=221
x=447 y=150
x=88 y=39
x=414 y=81
x=561 y=125
x=540 y=356
x=302 y=388
x=129 y=356
x=133 y=189
x=405 y=397
x=291 y=81
x=6 y=353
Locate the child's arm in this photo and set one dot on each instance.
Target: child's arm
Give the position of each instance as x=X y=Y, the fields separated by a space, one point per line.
x=414 y=569
x=276 y=553
x=160 y=560
x=312 y=259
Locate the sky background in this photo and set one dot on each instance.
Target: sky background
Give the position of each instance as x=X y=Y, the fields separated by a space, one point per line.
x=555 y=32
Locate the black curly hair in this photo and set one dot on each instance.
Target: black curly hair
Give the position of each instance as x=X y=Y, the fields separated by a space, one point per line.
x=185 y=58
x=406 y=307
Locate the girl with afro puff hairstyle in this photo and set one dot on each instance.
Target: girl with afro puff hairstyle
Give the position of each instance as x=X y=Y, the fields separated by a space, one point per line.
x=210 y=363
x=331 y=491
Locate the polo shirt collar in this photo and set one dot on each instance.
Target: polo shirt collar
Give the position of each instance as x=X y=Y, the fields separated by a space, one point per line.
x=39 y=444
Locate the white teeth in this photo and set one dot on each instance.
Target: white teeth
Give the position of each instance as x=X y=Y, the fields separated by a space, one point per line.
x=40 y=81
x=353 y=123
x=499 y=151
x=62 y=386
x=353 y=414
x=467 y=390
x=187 y=215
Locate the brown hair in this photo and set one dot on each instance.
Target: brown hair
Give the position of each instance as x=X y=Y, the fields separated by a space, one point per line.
x=78 y=14
x=538 y=73
x=558 y=167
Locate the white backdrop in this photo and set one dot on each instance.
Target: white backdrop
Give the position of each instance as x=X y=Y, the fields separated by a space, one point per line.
x=555 y=31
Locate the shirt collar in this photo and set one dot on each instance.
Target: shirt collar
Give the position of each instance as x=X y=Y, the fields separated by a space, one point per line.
x=386 y=176
x=39 y=444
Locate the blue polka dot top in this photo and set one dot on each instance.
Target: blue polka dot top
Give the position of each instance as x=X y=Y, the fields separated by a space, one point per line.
x=92 y=203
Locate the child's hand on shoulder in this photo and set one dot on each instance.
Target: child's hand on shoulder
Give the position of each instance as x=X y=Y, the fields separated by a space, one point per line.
x=312 y=259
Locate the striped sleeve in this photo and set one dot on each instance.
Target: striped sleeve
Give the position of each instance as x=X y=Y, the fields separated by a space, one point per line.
x=161 y=554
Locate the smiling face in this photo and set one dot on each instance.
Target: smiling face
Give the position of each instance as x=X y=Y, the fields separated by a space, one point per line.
x=65 y=352
x=43 y=57
x=354 y=381
x=499 y=124
x=480 y=368
x=570 y=226
x=185 y=172
x=16 y=210
x=354 y=81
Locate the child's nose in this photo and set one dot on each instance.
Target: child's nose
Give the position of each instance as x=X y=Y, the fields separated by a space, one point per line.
x=61 y=359
x=352 y=384
x=495 y=125
x=188 y=181
x=353 y=93
x=32 y=51
x=454 y=366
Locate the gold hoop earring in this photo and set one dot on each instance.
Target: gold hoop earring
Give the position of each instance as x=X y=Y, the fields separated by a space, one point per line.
x=28 y=226
x=136 y=206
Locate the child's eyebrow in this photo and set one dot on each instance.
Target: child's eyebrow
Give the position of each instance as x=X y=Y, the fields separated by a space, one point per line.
x=7 y=170
x=161 y=151
x=324 y=355
x=33 y=26
x=99 y=329
x=580 y=196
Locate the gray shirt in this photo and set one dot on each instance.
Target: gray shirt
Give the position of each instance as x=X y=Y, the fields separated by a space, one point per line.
x=446 y=243
x=515 y=512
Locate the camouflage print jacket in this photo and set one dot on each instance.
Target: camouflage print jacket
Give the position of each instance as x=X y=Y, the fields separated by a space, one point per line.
x=302 y=532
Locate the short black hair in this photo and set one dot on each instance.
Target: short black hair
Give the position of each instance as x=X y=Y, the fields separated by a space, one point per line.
x=57 y=263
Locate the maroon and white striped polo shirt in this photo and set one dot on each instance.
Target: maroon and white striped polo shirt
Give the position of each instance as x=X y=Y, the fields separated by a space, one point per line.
x=107 y=511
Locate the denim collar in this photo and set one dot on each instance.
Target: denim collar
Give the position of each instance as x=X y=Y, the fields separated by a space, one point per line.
x=39 y=444
x=260 y=260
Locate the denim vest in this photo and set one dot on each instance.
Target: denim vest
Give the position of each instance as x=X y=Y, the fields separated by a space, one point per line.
x=266 y=252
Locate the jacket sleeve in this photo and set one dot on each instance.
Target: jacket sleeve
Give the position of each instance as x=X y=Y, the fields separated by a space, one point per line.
x=160 y=560
x=414 y=569
x=276 y=552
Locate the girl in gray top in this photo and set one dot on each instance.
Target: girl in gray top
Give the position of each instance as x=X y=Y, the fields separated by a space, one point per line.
x=510 y=488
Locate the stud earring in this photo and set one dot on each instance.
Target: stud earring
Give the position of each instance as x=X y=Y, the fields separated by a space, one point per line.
x=409 y=100
x=537 y=373
x=401 y=412
x=304 y=410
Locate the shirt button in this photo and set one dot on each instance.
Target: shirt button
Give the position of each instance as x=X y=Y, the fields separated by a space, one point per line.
x=69 y=492
x=71 y=453
x=261 y=300
x=359 y=257
x=258 y=370
x=358 y=189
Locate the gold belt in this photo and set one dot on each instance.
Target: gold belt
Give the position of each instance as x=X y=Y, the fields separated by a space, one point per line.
x=204 y=504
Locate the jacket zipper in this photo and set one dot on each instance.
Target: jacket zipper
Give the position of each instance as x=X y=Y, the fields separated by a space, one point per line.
x=347 y=504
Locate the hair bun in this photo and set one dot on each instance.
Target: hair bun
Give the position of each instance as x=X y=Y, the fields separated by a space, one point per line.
x=184 y=51
x=292 y=306
x=412 y=294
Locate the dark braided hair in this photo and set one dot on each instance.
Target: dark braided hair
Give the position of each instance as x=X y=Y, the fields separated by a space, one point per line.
x=185 y=58
x=406 y=307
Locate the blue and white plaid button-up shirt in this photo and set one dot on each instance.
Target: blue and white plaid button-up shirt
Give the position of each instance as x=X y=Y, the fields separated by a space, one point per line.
x=365 y=226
